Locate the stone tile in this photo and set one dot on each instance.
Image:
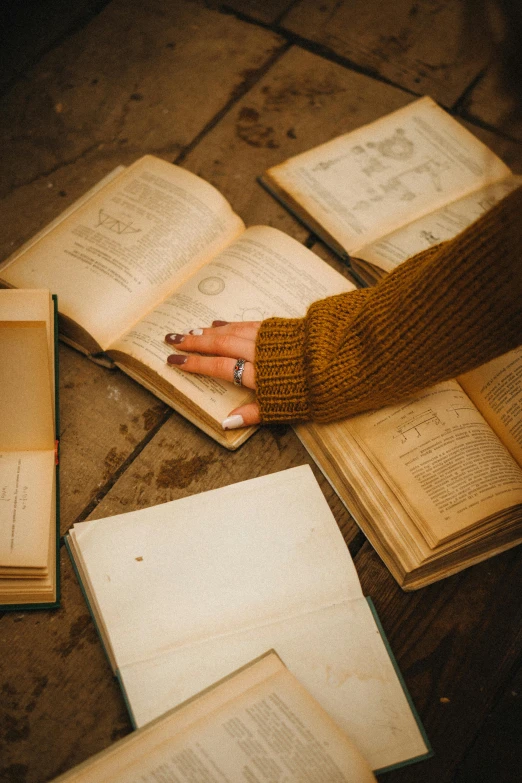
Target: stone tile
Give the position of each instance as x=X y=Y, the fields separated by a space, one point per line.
x=303 y=100
x=267 y=11
x=104 y=419
x=490 y=103
x=417 y=45
x=140 y=78
x=60 y=702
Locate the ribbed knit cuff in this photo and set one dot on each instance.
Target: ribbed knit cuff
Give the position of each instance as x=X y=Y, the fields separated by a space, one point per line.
x=281 y=384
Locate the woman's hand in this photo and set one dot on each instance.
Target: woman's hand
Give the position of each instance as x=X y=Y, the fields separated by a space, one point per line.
x=224 y=343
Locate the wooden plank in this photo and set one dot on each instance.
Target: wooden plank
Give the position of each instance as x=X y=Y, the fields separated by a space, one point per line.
x=456 y=643
x=138 y=79
x=302 y=101
x=417 y=45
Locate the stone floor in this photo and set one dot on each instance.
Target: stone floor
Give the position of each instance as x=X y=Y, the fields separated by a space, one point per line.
x=226 y=90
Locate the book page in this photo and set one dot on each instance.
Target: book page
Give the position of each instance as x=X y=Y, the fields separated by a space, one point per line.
x=440 y=225
x=27 y=398
x=26 y=505
x=258 y=721
x=124 y=250
x=496 y=390
x=337 y=654
x=369 y=182
x=262 y=274
x=218 y=561
x=443 y=459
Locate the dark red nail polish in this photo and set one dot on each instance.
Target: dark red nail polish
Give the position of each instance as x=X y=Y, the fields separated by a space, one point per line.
x=176 y=358
x=219 y=323
x=174 y=339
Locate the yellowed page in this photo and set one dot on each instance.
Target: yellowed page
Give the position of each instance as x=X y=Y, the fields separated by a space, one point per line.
x=336 y=652
x=369 y=182
x=496 y=390
x=273 y=572
x=443 y=459
x=123 y=251
x=26 y=503
x=440 y=225
x=26 y=399
x=258 y=719
x=263 y=273
x=32 y=305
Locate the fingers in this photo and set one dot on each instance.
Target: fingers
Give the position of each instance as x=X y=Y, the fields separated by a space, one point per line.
x=214 y=366
x=213 y=342
x=244 y=416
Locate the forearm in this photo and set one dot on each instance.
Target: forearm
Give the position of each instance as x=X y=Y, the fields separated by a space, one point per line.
x=442 y=313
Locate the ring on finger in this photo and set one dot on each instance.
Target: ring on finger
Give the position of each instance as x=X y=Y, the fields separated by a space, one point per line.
x=239 y=369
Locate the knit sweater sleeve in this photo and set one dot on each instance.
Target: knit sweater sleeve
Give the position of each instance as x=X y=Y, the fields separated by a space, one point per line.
x=441 y=313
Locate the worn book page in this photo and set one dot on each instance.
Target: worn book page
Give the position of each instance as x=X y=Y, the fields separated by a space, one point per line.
x=275 y=574
x=496 y=390
x=442 y=459
x=259 y=721
x=440 y=225
x=361 y=186
x=261 y=274
x=335 y=651
x=26 y=504
x=124 y=250
x=27 y=391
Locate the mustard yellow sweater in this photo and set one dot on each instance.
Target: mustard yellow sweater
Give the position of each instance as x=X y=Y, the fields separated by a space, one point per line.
x=441 y=313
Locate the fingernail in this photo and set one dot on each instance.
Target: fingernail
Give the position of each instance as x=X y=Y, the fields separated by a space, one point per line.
x=174 y=338
x=219 y=323
x=233 y=422
x=176 y=358
x=192 y=331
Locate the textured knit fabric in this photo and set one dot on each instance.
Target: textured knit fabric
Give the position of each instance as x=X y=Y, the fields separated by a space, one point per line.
x=441 y=313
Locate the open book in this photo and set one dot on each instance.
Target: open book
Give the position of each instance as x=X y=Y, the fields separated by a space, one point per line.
x=156 y=249
x=186 y=592
x=260 y=719
x=28 y=465
x=434 y=482
x=380 y=194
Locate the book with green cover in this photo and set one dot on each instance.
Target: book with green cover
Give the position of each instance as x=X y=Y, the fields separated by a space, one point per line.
x=29 y=500
x=186 y=592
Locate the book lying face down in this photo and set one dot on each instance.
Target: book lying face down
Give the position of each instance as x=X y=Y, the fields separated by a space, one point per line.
x=186 y=592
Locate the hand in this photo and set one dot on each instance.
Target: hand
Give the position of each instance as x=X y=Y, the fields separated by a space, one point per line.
x=226 y=343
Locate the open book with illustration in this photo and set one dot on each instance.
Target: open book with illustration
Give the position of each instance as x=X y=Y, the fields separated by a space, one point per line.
x=384 y=192
x=225 y=575
x=260 y=719
x=155 y=249
x=434 y=482
x=28 y=464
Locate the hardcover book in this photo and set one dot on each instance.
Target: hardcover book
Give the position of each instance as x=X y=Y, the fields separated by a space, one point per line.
x=155 y=249
x=186 y=592
x=29 y=529
x=384 y=192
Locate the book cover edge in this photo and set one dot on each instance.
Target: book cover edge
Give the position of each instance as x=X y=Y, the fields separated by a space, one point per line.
x=56 y=603
x=429 y=753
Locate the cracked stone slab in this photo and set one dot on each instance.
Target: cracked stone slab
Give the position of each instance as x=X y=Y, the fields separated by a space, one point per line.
x=416 y=45
x=140 y=78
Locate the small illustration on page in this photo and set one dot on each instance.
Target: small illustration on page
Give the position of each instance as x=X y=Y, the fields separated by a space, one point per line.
x=212 y=285
x=115 y=224
x=413 y=427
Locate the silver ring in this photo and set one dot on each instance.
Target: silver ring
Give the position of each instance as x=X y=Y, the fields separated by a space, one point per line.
x=239 y=369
